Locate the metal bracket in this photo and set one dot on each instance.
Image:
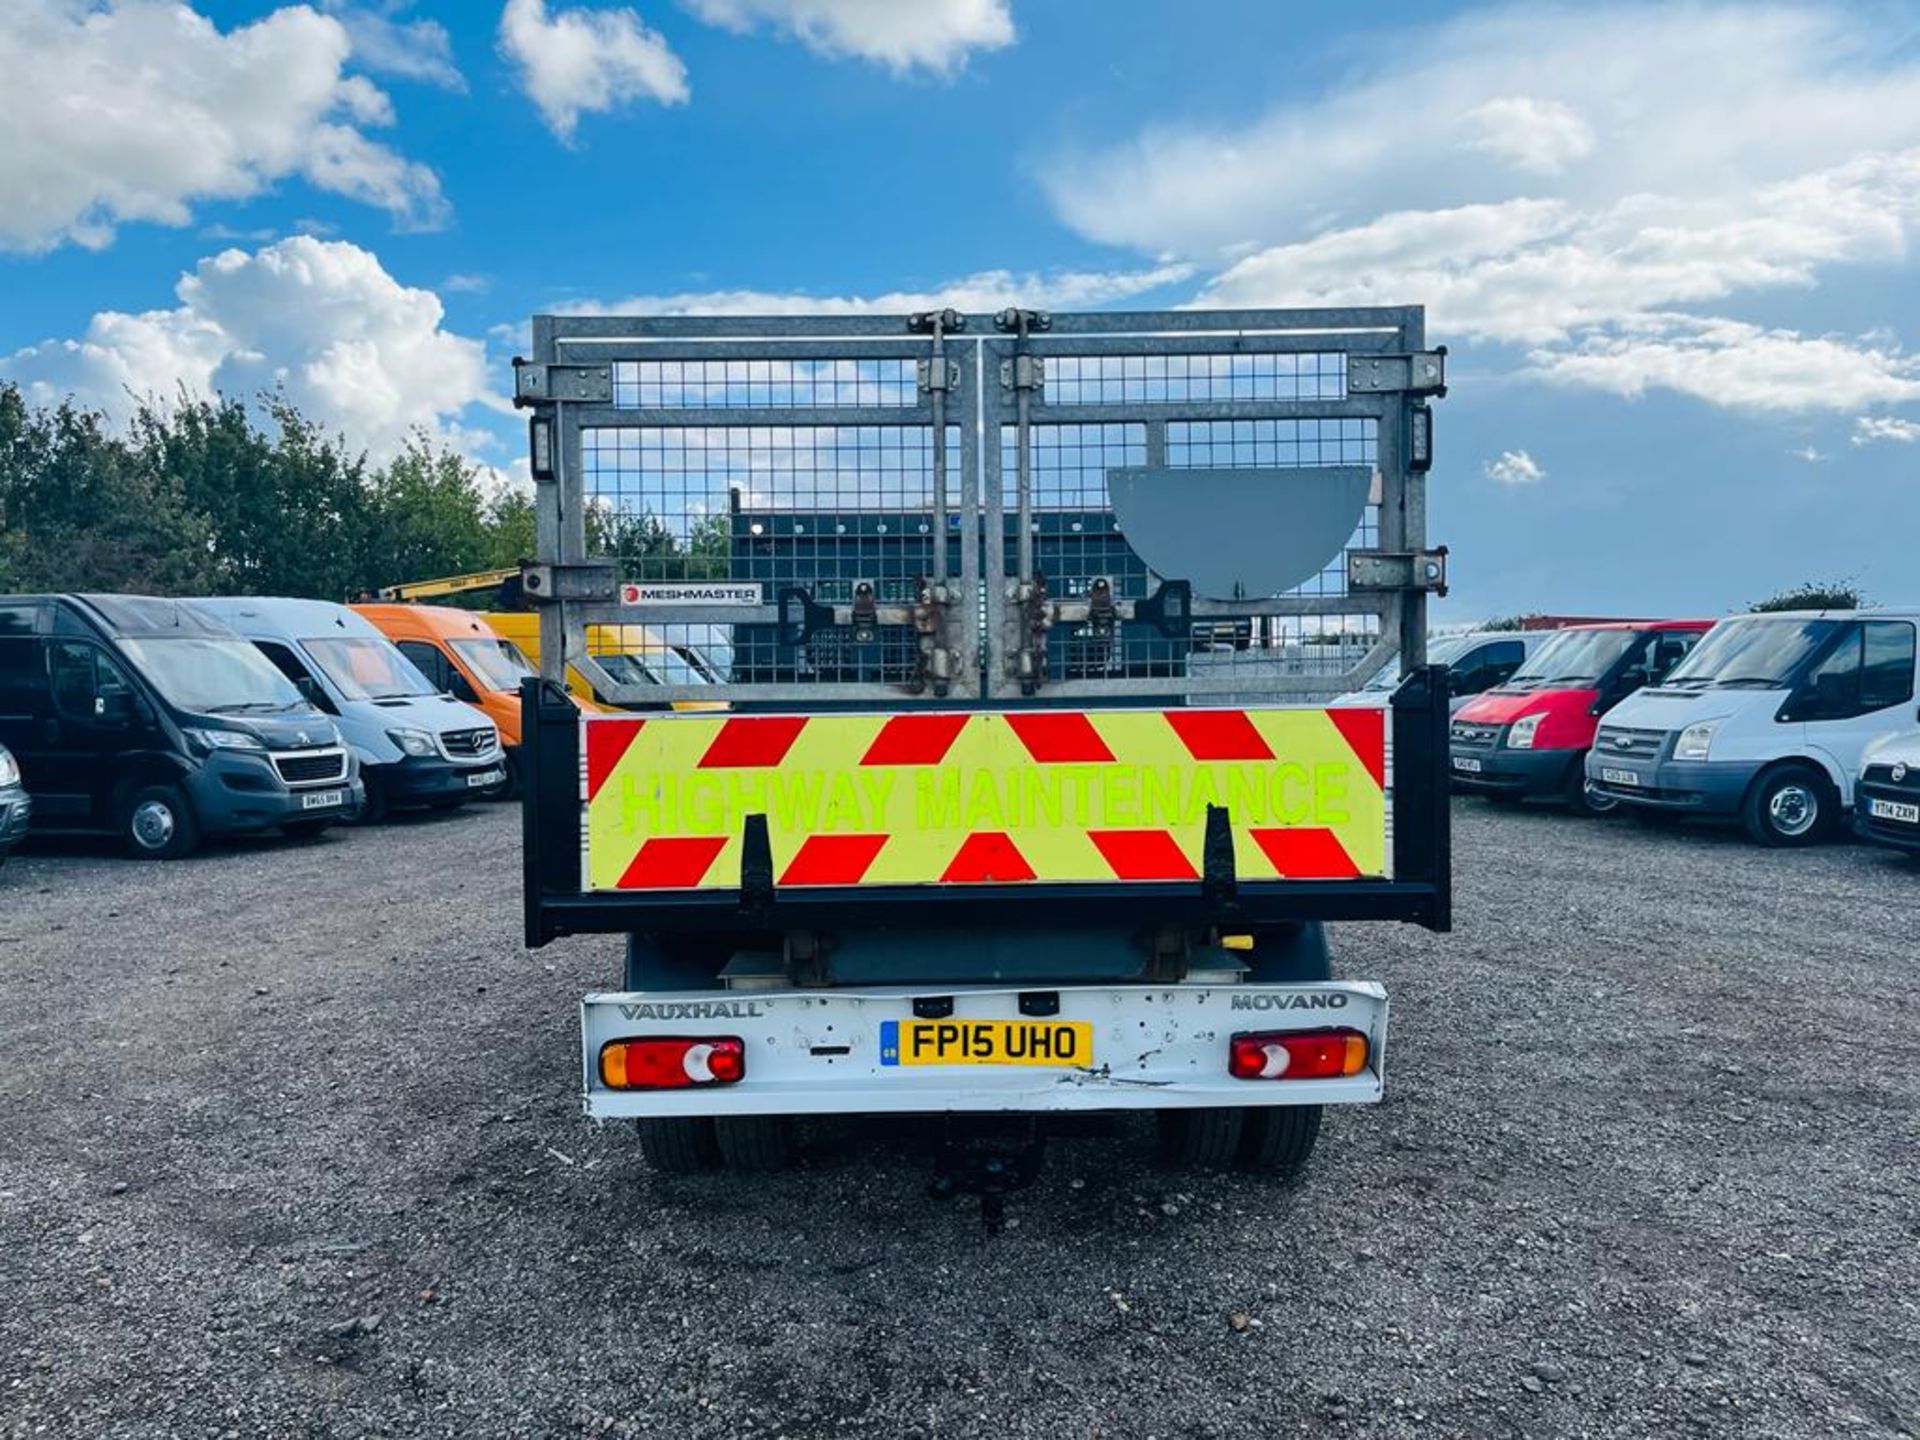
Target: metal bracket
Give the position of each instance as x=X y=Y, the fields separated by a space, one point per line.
x=1023 y=372
x=1011 y=320
x=922 y=322
x=1374 y=570
x=538 y=384
x=550 y=584
x=935 y=376
x=1424 y=372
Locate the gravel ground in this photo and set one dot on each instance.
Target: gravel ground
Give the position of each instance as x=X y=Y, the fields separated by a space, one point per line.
x=289 y=1145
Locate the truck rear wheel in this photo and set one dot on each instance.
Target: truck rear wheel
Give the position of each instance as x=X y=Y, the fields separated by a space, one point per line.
x=754 y=1142
x=1201 y=1139
x=679 y=1144
x=1278 y=1139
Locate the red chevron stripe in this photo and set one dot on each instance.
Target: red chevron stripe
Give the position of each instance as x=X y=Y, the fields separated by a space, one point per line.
x=753 y=742
x=832 y=859
x=678 y=863
x=1365 y=730
x=607 y=741
x=1143 y=855
x=1059 y=737
x=914 y=740
x=1306 y=852
x=1218 y=735
x=986 y=855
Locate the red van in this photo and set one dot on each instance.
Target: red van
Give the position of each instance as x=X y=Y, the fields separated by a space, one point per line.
x=1528 y=739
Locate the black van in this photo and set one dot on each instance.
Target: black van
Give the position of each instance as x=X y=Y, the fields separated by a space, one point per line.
x=145 y=719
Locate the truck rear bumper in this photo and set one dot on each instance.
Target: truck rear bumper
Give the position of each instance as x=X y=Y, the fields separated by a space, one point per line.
x=820 y=1052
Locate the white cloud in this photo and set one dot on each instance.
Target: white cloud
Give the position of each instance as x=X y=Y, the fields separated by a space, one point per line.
x=984 y=290
x=1540 y=136
x=1514 y=467
x=1810 y=454
x=902 y=35
x=321 y=320
x=388 y=44
x=1729 y=362
x=136 y=111
x=1869 y=428
x=576 y=61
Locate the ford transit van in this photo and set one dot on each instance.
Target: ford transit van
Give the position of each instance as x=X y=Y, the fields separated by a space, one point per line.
x=149 y=720
x=416 y=745
x=1765 y=723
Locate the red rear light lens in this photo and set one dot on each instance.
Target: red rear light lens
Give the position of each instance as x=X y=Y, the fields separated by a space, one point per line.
x=657 y=1062
x=1296 y=1054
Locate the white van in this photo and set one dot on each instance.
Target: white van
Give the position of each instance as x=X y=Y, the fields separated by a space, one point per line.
x=1766 y=721
x=1478 y=662
x=1886 y=801
x=416 y=745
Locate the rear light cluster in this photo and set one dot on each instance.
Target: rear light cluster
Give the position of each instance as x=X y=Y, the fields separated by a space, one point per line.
x=656 y=1062
x=1296 y=1054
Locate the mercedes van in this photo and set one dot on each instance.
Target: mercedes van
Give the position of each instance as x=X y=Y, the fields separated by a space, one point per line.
x=416 y=746
x=1528 y=739
x=1476 y=662
x=150 y=720
x=1886 y=800
x=630 y=654
x=1766 y=722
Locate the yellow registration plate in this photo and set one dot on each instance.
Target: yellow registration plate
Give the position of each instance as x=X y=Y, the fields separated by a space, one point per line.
x=986 y=1042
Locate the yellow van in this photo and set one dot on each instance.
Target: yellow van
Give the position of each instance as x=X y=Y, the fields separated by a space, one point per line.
x=631 y=654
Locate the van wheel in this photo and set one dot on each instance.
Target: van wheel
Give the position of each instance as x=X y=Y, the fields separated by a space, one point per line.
x=373 y=809
x=1581 y=799
x=678 y=1144
x=1201 y=1139
x=1278 y=1139
x=754 y=1142
x=158 y=824
x=1790 y=806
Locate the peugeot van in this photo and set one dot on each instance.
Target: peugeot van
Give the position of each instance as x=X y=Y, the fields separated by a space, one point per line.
x=1476 y=663
x=16 y=808
x=1528 y=739
x=1886 y=800
x=416 y=746
x=1766 y=722
x=150 y=720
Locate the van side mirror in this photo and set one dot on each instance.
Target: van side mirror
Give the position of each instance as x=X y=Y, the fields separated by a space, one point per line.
x=460 y=689
x=311 y=692
x=1634 y=677
x=1835 y=694
x=115 y=707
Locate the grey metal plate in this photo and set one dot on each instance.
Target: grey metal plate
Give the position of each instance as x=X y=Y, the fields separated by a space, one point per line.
x=1238 y=533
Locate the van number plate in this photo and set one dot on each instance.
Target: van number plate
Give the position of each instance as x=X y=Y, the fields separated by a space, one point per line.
x=986 y=1042
x=1466 y=765
x=485 y=777
x=323 y=799
x=1621 y=777
x=1894 y=810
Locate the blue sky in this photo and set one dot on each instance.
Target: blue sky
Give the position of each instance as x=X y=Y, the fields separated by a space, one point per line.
x=1670 y=247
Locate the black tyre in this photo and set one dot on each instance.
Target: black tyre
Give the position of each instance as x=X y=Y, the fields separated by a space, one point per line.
x=158 y=823
x=1790 y=806
x=678 y=1145
x=509 y=788
x=1201 y=1139
x=373 y=809
x=305 y=829
x=754 y=1142
x=1278 y=1139
x=1581 y=798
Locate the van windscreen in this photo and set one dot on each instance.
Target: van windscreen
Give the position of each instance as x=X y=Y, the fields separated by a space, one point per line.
x=1574 y=657
x=366 y=669
x=497 y=664
x=1758 y=652
x=211 y=676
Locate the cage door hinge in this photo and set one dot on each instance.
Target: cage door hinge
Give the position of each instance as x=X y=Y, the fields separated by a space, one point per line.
x=1377 y=570
x=549 y=584
x=1424 y=372
x=538 y=384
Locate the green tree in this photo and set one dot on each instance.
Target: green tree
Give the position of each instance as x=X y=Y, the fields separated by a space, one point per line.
x=1842 y=595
